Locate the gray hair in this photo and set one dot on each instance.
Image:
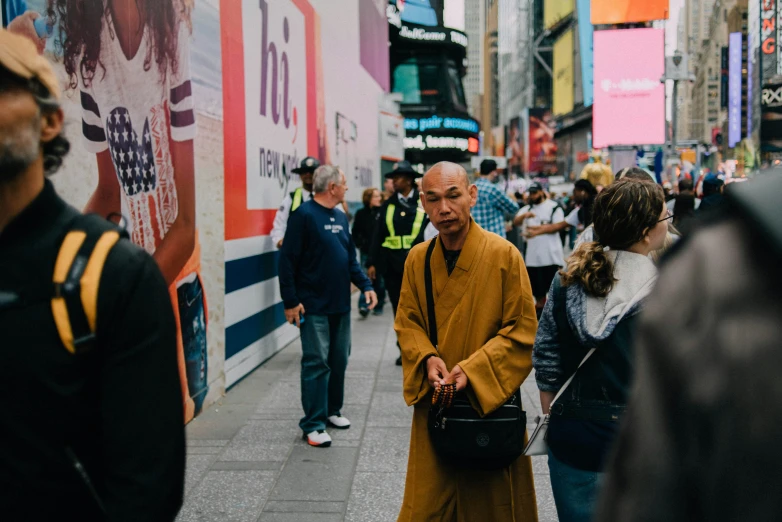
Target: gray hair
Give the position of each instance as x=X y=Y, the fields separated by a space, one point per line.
x=324 y=175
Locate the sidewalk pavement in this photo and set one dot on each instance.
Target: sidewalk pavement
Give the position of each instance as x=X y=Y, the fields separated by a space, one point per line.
x=247 y=461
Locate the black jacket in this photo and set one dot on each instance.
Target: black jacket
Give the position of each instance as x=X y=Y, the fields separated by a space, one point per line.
x=363 y=227
x=386 y=260
x=116 y=410
x=701 y=439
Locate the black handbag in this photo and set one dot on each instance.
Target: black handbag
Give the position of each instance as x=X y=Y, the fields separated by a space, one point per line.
x=459 y=434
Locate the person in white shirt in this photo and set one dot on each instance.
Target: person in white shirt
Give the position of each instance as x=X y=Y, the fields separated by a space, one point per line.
x=545 y=255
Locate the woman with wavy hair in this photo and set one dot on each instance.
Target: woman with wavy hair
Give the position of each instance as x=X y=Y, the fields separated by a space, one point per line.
x=593 y=304
x=130 y=62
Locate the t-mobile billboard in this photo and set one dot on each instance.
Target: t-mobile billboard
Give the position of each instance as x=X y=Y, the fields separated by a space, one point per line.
x=629 y=97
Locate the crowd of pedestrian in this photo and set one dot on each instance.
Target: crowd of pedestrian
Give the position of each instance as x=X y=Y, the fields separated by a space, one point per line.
x=648 y=414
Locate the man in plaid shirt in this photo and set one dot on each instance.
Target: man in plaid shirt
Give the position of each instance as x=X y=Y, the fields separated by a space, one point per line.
x=493 y=204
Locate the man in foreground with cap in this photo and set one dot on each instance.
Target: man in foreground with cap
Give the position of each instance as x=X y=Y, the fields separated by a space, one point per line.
x=293 y=201
x=400 y=221
x=545 y=254
x=493 y=204
x=94 y=430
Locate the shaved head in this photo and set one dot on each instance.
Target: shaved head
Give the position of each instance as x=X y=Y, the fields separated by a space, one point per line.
x=445 y=169
x=448 y=196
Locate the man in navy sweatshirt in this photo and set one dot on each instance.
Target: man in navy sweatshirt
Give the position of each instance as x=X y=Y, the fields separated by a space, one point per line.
x=317 y=264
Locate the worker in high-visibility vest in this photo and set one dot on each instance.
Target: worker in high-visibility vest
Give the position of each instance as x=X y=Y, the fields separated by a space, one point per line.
x=294 y=200
x=400 y=222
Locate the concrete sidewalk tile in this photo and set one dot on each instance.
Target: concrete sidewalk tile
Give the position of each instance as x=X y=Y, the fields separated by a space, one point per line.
x=228 y=496
x=194 y=443
x=261 y=431
x=196 y=467
x=376 y=497
x=204 y=450
x=264 y=465
x=220 y=422
x=389 y=385
x=316 y=474
x=257 y=452
x=384 y=450
x=283 y=392
x=287 y=414
x=358 y=391
x=540 y=465
x=389 y=409
x=303 y=506
x=547 y=510
x=300 y=517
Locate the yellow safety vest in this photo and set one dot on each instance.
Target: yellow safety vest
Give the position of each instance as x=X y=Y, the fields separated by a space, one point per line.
x=296 y=199
x=394 y=242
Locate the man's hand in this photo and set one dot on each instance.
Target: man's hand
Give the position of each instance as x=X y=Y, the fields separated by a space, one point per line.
x=518 y=220
x=371 y=298
x=371 y=273
x=436 y=371
x=279 y=244
x=293 y=315
x=24 y=25
x=457 y=376
x=533 y=231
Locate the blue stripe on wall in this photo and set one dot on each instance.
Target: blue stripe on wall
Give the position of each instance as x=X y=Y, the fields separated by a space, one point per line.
x=242 y=334
x=241 y=273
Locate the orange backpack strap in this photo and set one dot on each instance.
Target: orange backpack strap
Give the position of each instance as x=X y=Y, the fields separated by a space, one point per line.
x=77 y=274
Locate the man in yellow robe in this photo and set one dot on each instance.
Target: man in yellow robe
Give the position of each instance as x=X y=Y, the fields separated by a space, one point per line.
x=486 y=327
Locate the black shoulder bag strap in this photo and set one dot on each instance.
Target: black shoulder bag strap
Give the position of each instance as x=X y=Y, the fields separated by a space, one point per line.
x=430 y=294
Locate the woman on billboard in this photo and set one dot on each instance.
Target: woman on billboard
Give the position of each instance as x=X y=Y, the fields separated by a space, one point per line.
x=130 y=61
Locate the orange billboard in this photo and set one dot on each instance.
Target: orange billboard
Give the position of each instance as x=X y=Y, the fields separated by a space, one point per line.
x=628 y=11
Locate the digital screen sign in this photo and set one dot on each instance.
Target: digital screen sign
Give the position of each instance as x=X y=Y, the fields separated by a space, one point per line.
x=436 y=122
x=628 y=11
x=629 y=104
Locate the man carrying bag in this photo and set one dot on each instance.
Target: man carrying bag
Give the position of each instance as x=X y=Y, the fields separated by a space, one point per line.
x=485 y=328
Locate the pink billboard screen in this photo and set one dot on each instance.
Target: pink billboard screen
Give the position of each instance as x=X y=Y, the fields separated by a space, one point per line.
x=629 y=104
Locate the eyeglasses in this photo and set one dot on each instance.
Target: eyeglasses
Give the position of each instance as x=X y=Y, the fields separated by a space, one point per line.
x=668 y=216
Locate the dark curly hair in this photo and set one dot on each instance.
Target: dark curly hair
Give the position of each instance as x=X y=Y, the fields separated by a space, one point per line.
x=80 y=24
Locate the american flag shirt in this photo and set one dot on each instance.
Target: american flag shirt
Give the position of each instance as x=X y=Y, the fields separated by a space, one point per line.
x=134 y=113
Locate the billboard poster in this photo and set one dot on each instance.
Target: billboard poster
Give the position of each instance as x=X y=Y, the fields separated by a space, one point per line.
x=563 y=74
x=734 y=89
x=540 y=149
x=768 y=39
x=628 y=11
x=753 y=47
x=554 y=11
x=145 y=137
x=629 y=104
x=294 y=85
x=515 y=146
x=586 y=49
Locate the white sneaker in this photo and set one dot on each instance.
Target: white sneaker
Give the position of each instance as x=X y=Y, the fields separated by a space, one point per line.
x=339 y=422
x=319 y=439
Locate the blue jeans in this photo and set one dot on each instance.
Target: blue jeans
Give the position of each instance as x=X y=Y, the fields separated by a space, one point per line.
x=575 y=491
x=378 y=286
x=325 y=343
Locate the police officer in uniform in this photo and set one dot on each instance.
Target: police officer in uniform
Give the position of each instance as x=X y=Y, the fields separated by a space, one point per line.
x=93 y=423
x=294 y=200
x=401 y=223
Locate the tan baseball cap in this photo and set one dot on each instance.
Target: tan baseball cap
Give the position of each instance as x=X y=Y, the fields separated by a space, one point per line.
x=19 y=55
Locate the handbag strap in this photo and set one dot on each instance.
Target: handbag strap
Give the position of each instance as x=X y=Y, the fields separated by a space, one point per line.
x=430 y=294
x=561 y=312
